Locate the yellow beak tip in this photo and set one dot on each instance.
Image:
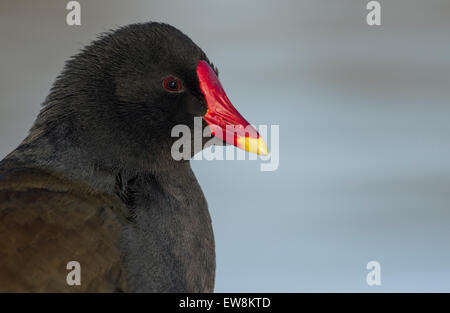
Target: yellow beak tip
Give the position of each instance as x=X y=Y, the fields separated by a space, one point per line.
x=262 y=148
x=253 y=145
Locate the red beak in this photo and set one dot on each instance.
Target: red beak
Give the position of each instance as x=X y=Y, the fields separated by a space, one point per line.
x=222 y=117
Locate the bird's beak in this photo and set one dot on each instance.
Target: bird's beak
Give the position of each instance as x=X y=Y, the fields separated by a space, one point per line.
x=222 y=117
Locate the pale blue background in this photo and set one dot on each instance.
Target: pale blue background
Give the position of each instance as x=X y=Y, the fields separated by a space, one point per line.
x=364 y=118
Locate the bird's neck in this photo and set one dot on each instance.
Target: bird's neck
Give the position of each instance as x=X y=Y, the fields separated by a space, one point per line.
x=98 y=166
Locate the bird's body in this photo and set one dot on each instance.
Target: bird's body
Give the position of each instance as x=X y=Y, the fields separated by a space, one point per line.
x=95 y=180
x=175 y=236
x=48 y=221
x=148 y=234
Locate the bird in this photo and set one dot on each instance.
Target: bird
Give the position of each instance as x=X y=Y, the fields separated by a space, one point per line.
x=95 y=182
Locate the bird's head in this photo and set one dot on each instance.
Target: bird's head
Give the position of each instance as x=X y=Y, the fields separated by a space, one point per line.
x=122 y=95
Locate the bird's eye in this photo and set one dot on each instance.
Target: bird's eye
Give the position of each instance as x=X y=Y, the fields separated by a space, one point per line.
x=172 y=84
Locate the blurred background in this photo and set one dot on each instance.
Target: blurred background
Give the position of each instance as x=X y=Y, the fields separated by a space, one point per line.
x=364 y=119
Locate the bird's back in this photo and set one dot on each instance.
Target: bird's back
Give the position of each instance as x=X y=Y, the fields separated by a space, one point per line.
x=47 y=221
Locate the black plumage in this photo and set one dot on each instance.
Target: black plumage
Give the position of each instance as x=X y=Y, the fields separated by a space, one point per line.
x=94 y=180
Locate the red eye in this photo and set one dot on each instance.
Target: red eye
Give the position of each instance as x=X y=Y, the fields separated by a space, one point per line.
x=172 y=84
